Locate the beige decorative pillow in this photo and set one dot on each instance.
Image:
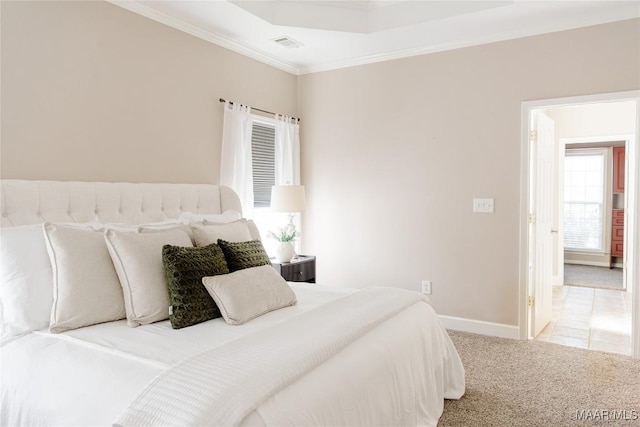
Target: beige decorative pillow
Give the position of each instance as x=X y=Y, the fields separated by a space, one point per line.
x=236 y=231
x=246 y=294
x=137 y=258
x=223 y=218
x=251 y=225
x=86 y=289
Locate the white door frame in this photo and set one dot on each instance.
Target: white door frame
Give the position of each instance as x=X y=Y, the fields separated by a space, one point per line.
x=633 y=196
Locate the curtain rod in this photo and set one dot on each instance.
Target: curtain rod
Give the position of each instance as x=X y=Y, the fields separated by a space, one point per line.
x=258 y=109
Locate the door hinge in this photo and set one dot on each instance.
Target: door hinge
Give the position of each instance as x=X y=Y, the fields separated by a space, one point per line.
x=532 y=218
x=533 y=135
x=531 y=301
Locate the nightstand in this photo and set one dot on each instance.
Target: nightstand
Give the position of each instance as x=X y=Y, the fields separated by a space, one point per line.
x=302 y=269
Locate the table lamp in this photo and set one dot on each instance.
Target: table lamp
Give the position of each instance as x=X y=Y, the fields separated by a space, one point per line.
x=288 y=199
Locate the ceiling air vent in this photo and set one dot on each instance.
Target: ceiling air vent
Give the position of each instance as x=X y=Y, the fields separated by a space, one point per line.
x=287 y=42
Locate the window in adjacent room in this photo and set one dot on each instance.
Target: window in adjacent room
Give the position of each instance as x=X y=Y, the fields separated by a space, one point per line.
x=585 y=199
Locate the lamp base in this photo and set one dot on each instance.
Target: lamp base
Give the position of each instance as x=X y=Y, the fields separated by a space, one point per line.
x=285 y=252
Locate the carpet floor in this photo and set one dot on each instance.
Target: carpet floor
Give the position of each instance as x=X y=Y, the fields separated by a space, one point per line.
x=593 y=277
x=531 y=383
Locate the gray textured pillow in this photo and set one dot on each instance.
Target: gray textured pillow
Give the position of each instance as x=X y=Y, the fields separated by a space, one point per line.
x=184 y=268
x=241 y=255
x=246 y=294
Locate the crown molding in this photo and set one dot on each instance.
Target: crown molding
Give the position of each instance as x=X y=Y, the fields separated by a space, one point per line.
x=246 y=50
x=478 y=41
x=218 y=39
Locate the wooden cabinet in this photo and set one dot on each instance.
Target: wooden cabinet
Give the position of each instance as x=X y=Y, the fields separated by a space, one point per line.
x=302 y=269
x=618 y=169
x=617 y=233
x=617 y=219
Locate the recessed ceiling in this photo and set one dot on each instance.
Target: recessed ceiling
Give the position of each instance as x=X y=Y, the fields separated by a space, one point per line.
x=338 y=34
x=360 y=16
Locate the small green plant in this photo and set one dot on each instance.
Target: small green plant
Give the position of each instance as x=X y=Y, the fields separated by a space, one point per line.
x=284 y=235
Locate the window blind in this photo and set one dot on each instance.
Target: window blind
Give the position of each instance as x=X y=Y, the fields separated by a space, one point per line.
x=263 y=161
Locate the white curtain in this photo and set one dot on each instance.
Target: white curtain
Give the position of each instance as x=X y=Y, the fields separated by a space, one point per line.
x=236 y=169
x=287 y=159
x=287 y=151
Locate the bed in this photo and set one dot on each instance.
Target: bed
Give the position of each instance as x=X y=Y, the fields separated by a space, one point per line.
x=318 y=355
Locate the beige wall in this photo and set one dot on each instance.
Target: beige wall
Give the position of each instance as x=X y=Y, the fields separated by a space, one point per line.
x=394 y=153
x=91 y=91
x=592 y=120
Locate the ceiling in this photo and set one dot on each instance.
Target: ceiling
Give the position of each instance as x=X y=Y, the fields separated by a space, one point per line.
x=335 y=34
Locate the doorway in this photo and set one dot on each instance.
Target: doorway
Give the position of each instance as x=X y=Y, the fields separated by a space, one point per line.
x=542 y=242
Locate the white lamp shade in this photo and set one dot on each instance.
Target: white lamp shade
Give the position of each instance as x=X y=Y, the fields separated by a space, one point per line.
x=287 y=198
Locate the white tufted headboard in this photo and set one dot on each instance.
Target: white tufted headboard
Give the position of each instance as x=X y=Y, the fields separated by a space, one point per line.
x=30 y=202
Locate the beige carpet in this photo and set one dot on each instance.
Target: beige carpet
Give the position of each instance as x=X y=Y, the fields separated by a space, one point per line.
x=532 y=383
x=593 y=277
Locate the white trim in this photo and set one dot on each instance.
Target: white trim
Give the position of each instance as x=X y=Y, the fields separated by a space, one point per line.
x=634 y=238
x=594 y=263
x=443 y=47
x=479 y=327
x=417 y=51
x=215 y=38
x=596 y=139
x=578 y=21
x=263 y=120
x=592 y=252
x=523 y=256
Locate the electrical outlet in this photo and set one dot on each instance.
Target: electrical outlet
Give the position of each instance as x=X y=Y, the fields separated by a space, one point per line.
x=426 y=287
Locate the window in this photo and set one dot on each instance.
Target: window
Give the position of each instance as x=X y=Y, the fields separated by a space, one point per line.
x=250 y=164
x=584 y=199
x=263 y=136
x=263 y=161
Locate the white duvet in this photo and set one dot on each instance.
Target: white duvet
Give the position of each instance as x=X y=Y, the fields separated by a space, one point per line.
x=395 y=374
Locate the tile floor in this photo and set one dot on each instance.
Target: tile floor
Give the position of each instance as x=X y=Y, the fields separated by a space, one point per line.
x=598 y=319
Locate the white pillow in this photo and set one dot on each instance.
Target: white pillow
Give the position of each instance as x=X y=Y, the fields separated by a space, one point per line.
x=253 y=230
x=168 y=224
x=137 y=258
x=246 y=294
x=86 y=289
x=223 y=218
x=237 y=231
x=26 y=281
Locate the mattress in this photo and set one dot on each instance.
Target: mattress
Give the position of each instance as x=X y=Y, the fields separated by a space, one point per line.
x=89 y=376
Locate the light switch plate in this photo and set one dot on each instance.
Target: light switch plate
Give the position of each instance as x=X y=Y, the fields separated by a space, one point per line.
x=483 y=205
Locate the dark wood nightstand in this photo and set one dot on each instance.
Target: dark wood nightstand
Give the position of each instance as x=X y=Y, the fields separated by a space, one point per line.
x=302 y=269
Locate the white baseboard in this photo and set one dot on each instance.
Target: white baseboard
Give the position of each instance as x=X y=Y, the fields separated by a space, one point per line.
x=594 y=263
x=480 y=327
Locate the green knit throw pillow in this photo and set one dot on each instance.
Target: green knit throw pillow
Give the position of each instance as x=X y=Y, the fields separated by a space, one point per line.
x=241 y=255
x=184 y=268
